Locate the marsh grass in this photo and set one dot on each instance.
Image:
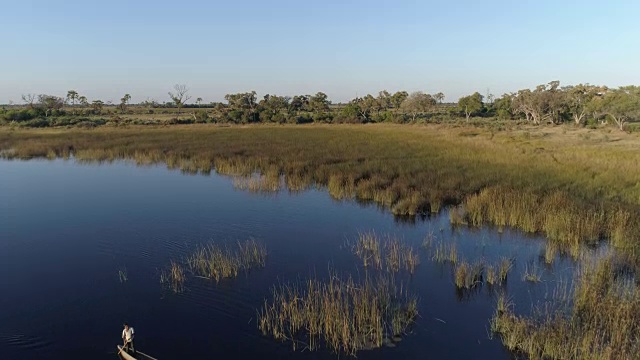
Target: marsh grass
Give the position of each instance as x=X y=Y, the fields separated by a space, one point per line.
x=217 y=262
x=445 y=252
x=386 y=252
x=467 y=275
x=532 y=273
x=174 y=277
x=601 y=320
x=572 y=188
x=340 y=314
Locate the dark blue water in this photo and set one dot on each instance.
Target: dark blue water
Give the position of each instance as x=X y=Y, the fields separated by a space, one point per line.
x=66 y=229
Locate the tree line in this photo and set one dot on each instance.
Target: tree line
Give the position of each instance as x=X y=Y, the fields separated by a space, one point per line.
x=548 y=103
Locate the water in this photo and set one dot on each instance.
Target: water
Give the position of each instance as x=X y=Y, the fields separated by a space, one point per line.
x=66 y=229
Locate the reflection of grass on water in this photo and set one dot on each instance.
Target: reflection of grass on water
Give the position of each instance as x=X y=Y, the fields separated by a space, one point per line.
x=344 y=315
x=601 y=320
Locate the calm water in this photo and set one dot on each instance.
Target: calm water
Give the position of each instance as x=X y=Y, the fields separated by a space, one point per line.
x=67 y=228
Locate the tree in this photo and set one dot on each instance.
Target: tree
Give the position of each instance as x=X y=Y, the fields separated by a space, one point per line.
x=622 y=105
x=49 y=103
x=471 y=104
x=97 y=105
x=123 y=102
x=299 y=103
x=273 y=107
x=242 y=106
x=544 y=104
x=578 y=98
x=439 y=97
x=417 y=103
x=29 y=99
x=72 y=97
x=199 y=101
x=180 y=96
x=384 y=100
x=319 y=103
x=83 y=101
x=398 y=98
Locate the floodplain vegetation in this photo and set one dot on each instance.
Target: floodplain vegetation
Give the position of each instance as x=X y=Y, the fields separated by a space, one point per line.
x=341 y=314
x=574 y=185
x=596 y=318
x=216 y=262
x=386 y=252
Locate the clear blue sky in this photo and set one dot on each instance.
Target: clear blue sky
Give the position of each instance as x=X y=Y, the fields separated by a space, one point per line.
x=104 y=49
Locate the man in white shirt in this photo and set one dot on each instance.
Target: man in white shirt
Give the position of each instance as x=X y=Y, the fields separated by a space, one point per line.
x=127 y=338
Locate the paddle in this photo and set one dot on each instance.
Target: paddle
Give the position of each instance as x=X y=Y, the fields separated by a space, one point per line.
x=123 y=346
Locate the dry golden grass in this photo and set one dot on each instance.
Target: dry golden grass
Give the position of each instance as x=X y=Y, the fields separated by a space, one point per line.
x=216 y=262
x=174 y=277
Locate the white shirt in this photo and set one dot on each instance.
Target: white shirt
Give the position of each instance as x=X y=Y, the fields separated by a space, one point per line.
x=128 y=334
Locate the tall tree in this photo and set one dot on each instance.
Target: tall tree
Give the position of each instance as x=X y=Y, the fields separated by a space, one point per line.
x=471 y=104
x=97 y=106
x=319 y=103
x=123 y=102
x=50 y=103
x=199 y=101
x=417 y=103
x=72 y=97
x=29 y=100
x=622 y=105
x=384 y=100
x=439 y=97
x=578 y=98
x=398 y=98
x=83 y=101
x=180 y=95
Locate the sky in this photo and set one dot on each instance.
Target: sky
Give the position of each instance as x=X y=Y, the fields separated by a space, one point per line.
x=104 y=49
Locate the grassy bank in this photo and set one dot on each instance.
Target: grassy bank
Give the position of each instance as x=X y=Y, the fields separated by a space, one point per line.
x=572 y=184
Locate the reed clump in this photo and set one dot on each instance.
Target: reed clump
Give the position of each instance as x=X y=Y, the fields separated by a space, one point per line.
x=467 y=275
x=532 y=273
x=389 y=253
x=217 y=262
x=341 y=314
x=174 y=277
x=445 y=252
x=600 y=321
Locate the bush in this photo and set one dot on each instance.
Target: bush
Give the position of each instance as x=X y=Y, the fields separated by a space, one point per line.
x=36 y=123
x=20 y=115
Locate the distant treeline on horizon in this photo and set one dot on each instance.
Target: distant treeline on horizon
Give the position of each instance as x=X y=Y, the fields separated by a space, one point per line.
x=547 y=103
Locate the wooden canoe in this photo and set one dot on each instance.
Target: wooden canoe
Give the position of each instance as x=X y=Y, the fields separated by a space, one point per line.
x=139 y=355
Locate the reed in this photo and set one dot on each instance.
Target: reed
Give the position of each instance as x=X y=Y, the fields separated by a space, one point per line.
x=367 y=248
x=174 y=277
x=341 y=314
x=445 y=252
x=601 y=320
x=467 y=276
x=216 y=262
x=532 y=273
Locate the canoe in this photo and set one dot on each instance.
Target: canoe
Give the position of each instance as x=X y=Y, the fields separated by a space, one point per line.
x=139 y=355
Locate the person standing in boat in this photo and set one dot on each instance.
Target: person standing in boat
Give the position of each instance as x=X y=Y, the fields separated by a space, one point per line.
x=127 y=338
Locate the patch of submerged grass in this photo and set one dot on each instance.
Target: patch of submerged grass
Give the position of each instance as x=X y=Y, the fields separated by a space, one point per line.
x=213 y=261
x=601 y=320
x=367 y=248
x=443 y=252
x=344 y=315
